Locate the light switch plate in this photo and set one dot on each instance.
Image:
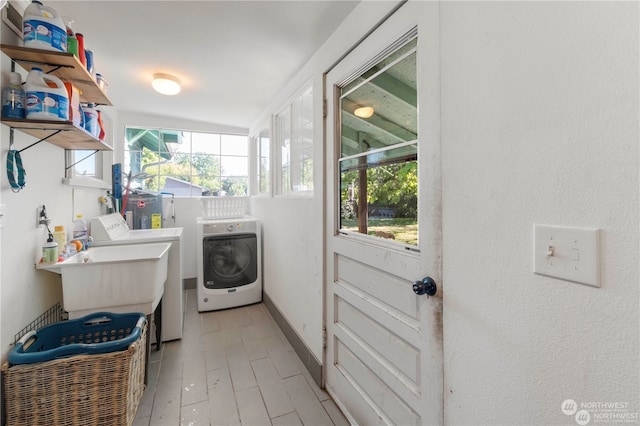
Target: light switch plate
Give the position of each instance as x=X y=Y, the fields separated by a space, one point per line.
x=568 y=253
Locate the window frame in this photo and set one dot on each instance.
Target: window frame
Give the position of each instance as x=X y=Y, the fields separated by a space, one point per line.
x=257 y=154
x=284 y=127
x=219 y=156
x=102 y=161
x=352 y=83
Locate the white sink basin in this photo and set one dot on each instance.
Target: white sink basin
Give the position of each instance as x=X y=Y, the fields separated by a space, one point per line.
x=123 y=278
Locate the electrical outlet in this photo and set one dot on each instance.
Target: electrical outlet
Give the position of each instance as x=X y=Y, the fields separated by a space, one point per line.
x=41 y=216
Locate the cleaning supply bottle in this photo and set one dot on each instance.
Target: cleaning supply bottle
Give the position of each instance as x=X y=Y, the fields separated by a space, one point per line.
x=102 y=132
x=43 y=28
x=80 y=232
x=46 y=97
x=72 y=41
x=75 y=112
x=60 y=237
x=50 y=251
x=81 y=55
x=13 y=97
x=72 y=46
x=91 y=120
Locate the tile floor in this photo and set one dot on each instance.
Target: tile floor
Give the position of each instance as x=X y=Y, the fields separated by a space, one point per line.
x=232 y=367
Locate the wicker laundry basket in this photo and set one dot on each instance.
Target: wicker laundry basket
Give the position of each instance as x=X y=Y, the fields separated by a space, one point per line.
x=96 y=389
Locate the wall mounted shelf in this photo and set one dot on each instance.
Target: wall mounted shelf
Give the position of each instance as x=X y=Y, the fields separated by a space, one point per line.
x=68 y=68
x=61 y=133
x=63 y=65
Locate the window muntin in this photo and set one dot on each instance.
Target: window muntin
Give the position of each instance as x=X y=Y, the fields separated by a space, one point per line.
x=187 y=163
x=294 y=137
x=378 y=162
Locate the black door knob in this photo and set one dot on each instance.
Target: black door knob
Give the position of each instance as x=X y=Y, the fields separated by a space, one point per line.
x=427 y=286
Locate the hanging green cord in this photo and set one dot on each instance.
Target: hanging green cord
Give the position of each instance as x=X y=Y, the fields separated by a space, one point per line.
x=14 y=166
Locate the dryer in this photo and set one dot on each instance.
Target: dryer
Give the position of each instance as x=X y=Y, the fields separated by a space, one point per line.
x=229 y=259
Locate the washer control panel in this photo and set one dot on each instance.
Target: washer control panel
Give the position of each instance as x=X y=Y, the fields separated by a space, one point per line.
x=228 y=226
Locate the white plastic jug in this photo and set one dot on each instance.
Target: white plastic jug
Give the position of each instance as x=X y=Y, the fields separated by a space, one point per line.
x=46 y=101
x=91 y=120
x=43 y=28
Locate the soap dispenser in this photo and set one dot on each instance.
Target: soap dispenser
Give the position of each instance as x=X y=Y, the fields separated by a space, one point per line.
x=50 y=251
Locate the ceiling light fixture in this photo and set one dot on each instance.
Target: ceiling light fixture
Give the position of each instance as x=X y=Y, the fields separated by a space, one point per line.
x=364 y=112
x=165 y=84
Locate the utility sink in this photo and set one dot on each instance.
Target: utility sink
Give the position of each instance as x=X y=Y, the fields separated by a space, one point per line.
x=123 y=278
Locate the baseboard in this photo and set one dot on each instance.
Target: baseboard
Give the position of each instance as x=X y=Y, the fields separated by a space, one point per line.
x=308 y=358
x=189 y=283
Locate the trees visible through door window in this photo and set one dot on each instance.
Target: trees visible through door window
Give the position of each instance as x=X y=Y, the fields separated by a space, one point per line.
x=187 y=163
x=378 y=148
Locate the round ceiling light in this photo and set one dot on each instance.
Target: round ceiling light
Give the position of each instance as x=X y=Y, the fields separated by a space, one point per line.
x=364 y=112
x=165 y=84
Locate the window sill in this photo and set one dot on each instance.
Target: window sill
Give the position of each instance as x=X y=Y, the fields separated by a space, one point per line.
x=298 y=194
x=87 y=182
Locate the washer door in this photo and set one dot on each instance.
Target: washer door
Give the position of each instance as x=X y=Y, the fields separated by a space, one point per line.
x=229 y=260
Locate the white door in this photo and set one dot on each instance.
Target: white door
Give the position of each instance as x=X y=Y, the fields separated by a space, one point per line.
x=384 y=342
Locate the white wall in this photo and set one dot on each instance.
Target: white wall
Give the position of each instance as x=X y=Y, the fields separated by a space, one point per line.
x=292 y=226
x=539 y=125
x=25 y=292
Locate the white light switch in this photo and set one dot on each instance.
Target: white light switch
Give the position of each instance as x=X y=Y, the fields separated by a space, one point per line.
x=571 y=254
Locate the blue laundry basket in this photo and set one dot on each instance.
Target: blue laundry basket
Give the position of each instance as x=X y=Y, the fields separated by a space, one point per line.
x=96 y=333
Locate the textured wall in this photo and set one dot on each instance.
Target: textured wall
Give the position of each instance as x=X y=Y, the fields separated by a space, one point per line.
x=293 y=226
x=539 y=125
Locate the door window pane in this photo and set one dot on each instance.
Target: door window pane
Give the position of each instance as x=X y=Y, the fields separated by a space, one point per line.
x=378 y=147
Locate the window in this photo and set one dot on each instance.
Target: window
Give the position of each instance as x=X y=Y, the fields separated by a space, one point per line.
x=185 y=163
x=89 y=163
x=262 y=142
x=378 y=149
x=294 y=133
x=84 y=163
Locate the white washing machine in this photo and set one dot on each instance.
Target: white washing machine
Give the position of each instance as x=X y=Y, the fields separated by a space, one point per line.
x=229 y=258
x=112 y=229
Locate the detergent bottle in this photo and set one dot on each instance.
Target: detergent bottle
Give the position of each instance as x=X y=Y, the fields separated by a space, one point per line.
x=91 y=124
x=43 y=28
x=50 y=251
x=13 y=97
x=46 y=97
x=80 y=232
x=60 y=237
